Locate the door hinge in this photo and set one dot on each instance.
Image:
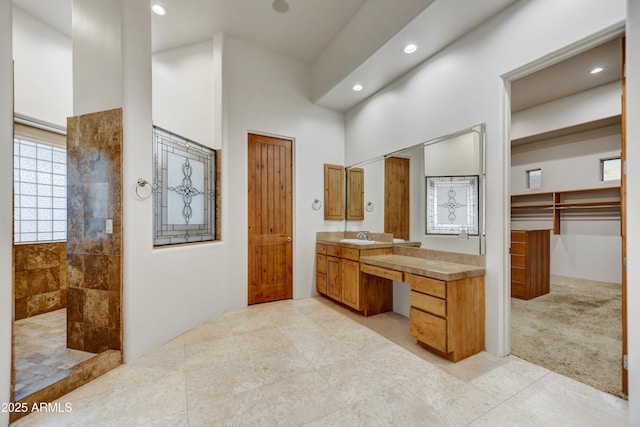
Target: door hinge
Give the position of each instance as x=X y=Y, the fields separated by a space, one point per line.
x=625 y=362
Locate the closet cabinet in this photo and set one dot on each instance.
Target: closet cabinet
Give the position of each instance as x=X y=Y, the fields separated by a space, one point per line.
x=530 y=263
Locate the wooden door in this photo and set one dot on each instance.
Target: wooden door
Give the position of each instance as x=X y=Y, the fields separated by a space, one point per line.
x=270 y=219
x=396 y=197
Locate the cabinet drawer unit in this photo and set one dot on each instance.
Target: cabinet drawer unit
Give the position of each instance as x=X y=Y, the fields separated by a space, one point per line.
x=518 y=236
x=518 y=260
x=429 y=304
x=321 y=249
x=382 y=272
x=352 y=254
x=433 y=287
x=428 y=329
x=517 y=274
x=518 y=248
x=335 y=251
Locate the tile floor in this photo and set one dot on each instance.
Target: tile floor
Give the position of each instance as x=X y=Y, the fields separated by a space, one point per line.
x=306 y=362
x=41 y=352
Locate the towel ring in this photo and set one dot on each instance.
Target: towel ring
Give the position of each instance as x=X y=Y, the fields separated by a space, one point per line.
x=141 y=190
x=369 y=207
x=316 y=205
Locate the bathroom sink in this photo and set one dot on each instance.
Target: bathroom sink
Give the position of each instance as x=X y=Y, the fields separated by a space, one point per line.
x=358 y=241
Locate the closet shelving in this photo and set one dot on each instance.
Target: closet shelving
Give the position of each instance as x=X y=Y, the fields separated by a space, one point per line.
x=556 y=202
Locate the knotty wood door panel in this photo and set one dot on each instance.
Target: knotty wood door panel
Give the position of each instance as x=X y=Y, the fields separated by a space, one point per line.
x=270 y=219
x=396 y=197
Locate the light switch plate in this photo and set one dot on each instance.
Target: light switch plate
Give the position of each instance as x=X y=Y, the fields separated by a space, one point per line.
x=108 y=226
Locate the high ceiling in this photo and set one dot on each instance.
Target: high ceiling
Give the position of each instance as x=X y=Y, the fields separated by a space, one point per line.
x=348 y=41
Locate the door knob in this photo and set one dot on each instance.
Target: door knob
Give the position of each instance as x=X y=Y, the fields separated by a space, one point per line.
x=289 y=238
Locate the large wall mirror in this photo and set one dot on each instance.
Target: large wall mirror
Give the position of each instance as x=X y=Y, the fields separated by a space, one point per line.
x=431 y=193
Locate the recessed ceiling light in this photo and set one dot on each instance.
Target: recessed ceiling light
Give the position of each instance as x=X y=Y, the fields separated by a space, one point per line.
x=596 y=70
x=410 y=48
x=357 y=87
x=159 y=9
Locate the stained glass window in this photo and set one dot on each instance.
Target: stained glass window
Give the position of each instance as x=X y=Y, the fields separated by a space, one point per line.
x=40 y=192
x=452 y=205
x=184 y=182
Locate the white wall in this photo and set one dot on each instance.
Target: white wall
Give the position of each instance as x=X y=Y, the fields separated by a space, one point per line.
x=633 y=206
x=43 y=75
x=461 y=87
x=268 y=93
x=183 y=91
x=97 y=56
x=6 y=214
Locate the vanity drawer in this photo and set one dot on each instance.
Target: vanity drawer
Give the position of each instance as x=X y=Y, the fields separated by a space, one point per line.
x=434 y=287
x=518 y=290
x=518 y=235
x=335 y=251
x=517 y=274
x=428 y=329
x=381 y=272
x=517 y=260
x=321 y=249
x=429 y=304
x=352 y=254
x=321 y=263
x=518 y=248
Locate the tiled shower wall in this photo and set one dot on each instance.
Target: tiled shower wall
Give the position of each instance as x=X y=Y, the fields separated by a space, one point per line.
x=40 y=277
x=94 y=194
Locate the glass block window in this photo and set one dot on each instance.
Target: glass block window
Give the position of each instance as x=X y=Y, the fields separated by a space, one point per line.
x=40 y=192
x=534 y=178
x=452 y=205
x=184 y=182
x=610 y=169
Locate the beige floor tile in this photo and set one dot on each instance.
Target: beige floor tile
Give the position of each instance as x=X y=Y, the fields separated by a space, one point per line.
x=355 y=380
x=236 y=376
x=324 y=352
x=261 y=340
x=461 y=402
x=398 y=363
x=561 y=400
x=301 y=399
x=242 y=409
x=397 y=407
x=507 y=415
x=343 y=418
x=279 y=364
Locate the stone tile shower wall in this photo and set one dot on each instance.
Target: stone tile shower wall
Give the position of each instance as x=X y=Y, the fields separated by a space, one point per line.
x=94 y=194
x=40 y=278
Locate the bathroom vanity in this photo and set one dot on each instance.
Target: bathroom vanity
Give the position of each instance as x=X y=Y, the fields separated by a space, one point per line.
x=447 y=313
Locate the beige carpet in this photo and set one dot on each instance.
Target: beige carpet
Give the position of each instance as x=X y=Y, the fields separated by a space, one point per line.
x=575 y=330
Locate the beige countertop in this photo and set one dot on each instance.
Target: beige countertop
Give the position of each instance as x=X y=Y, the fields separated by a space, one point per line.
x=337 y=242
x=435 y=269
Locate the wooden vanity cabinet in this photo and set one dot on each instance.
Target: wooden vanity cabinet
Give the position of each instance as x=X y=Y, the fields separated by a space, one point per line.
x=448 y=317
x=347 y=284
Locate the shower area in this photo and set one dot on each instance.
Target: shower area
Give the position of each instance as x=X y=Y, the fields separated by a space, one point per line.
x=67 y=257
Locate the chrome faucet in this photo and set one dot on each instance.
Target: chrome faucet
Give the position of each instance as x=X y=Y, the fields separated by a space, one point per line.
x=364 y=235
